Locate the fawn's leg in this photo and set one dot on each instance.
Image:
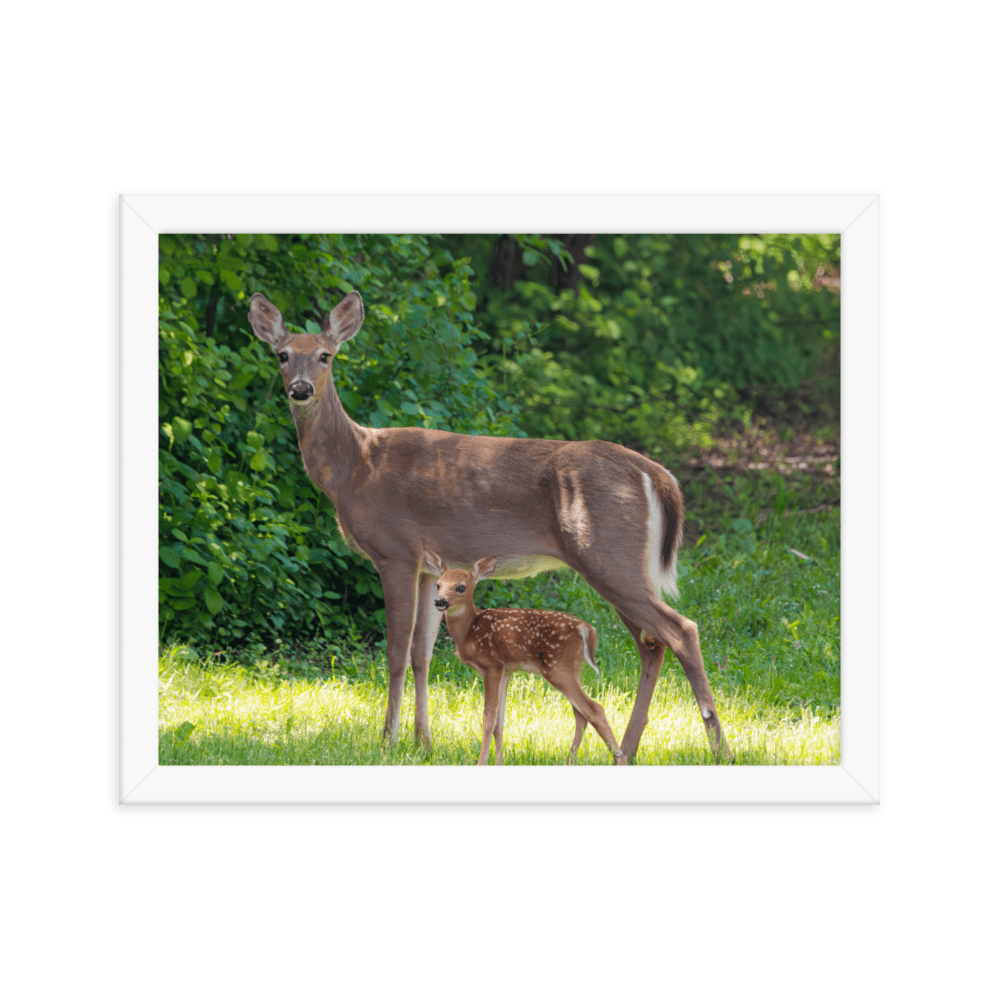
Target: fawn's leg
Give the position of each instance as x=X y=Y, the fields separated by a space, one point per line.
x=491 y=702
x=581 y=725
x=567 y=680
x=501 y=709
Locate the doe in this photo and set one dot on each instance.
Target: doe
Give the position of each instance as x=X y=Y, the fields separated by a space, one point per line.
x=498 y=641
x=608 y=513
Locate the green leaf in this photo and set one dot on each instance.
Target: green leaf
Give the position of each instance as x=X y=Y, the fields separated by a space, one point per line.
x=190 y=578
x=182 y=429
x=189 y=288
x=255 y=440
x=169 y=557
x=231 y=280
x=213 y=601
x=214 y=462
x=164 y=275
x=259 y=461
x=243 y=378
x=469 y=300
x=215 y=573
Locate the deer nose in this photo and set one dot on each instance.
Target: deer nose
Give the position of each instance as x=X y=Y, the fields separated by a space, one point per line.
x=440 y=603
x=300 y=390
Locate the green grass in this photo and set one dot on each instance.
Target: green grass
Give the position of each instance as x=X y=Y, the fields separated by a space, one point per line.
x=770 y=634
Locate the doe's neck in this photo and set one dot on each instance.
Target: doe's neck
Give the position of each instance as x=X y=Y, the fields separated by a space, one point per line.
x=330 y=442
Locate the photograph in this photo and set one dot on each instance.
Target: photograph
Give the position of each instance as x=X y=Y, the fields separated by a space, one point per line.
x=431 y=500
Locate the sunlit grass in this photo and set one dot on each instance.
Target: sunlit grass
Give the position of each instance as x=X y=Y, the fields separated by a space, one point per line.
x=769 y=623
x=220 y=714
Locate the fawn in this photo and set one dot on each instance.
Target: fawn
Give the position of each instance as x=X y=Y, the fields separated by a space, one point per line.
x=498 y=641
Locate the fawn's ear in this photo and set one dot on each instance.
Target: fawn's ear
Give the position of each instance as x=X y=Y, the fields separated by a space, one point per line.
x=345 y=319
x=266 y=321
x=483 y=568
x=434 y=562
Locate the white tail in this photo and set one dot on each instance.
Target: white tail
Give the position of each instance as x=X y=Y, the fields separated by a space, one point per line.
x=498 y=641
x=610 y=514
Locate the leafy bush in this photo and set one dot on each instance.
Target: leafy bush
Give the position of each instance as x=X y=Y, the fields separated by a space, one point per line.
x=652 y=340
x=249 y=548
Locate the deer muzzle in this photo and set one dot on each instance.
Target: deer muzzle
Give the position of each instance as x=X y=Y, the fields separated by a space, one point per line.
x=300 y=390
x=441 y=603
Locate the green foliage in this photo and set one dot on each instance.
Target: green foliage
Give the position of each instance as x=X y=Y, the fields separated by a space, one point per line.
x=664 y=338
x=249 y=548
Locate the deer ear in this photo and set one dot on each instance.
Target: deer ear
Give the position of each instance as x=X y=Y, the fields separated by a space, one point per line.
x=344 y=320
x=434 y=562
x=484 y=568
x=266 y=321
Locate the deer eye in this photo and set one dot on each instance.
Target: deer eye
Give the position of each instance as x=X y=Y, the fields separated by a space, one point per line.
x=283 y=356
x=323 y=358
x=460 y=588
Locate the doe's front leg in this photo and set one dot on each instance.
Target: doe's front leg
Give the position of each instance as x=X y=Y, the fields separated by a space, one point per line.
x=428 y=621
x=399 y=585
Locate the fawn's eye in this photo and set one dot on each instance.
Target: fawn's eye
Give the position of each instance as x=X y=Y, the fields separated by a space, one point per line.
x=460 y=588
x=323 y=358
x=283 y=357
